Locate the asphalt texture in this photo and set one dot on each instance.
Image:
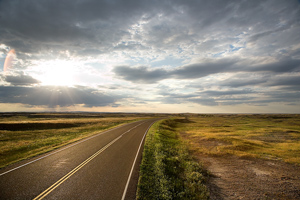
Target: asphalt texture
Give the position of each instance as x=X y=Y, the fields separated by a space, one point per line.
x=95 y=168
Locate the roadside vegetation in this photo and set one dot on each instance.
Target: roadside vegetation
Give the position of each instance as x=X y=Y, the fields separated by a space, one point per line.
x=267 y=136
x=25 y=135
x=167 y=170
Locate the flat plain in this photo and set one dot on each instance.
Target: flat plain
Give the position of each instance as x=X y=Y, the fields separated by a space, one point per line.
x=249 y=156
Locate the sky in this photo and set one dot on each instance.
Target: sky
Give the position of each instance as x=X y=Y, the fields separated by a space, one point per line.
x=158 y=56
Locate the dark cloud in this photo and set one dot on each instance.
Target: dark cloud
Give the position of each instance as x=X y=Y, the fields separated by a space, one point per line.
x=203 y=69
x=199 y=70
x=232 y=97
x=257 y=36
x=52 y=96
x=289 y=81
x=20 y=79
x=226 y=93
x=140 y=74
x=30 y=26
x=284 y=65
x=209 y=97
x=242 y=82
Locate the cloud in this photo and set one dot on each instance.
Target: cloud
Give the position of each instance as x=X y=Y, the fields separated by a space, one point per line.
x=204 y=69
x=243 y=81
x=258 y=36
x=20 y=79
x=263 y=80
x=288 y=82
x=209 y=52
x=284 y=65
x=231 y=97
x=66 y=25
x=199 y=70
x=52 y=96
x=140 y=74
x=106 y=26
x=226 y=93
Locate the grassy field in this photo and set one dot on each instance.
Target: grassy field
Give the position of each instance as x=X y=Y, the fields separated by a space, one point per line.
x=167 y=170
x=267 y=136
x=24 y=135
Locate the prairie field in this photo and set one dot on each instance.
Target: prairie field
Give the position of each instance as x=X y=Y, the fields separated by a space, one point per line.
x=23 y=135
x=263 y=136
x=248 y=156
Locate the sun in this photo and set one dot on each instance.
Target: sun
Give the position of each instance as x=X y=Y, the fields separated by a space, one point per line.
x=58 y=73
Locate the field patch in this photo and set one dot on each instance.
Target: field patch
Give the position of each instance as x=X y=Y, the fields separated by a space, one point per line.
x=248 y=156
x=261 y=136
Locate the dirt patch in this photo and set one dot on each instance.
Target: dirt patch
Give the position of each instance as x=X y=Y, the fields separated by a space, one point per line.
x=212 y=144
x=251 y=178
x=276 y=137
x=235 y=177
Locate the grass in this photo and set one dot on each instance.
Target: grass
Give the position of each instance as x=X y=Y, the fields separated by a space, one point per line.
x=269 y=136
x=29 y=134
x=167 y=170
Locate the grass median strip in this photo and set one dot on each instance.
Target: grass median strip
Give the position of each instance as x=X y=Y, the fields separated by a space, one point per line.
x=167 y=170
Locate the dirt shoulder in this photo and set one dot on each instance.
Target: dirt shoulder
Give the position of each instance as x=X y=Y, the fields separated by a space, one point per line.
x=251 y=178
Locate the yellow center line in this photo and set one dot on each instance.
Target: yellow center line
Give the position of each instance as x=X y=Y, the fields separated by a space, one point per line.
x=63 y=179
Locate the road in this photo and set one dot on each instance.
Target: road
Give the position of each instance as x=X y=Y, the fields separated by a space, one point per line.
x=99 y=167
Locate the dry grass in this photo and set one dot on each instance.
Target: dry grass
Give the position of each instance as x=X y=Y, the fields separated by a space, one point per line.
x=263 y=136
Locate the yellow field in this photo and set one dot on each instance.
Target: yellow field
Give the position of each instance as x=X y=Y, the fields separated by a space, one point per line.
x=263 y=136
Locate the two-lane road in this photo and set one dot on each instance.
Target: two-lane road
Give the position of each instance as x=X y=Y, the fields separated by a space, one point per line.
x=99 y=167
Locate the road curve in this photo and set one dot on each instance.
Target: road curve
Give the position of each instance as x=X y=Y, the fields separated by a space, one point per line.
x=96 y=168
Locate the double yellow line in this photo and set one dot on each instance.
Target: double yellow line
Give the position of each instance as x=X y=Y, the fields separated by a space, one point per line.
x=63 y=179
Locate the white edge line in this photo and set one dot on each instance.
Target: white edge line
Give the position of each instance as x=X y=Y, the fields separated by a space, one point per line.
x=130 y=174
x=67 y=176
x=64 y=148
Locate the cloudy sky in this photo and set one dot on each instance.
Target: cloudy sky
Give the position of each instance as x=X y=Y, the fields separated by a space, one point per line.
x=170 y=56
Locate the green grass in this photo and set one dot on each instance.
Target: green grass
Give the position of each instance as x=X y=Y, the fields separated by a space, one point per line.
x=167 y=170
x=269 y=136
x=27 y=135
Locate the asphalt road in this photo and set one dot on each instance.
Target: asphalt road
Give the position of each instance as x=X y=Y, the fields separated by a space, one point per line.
x=100 y=167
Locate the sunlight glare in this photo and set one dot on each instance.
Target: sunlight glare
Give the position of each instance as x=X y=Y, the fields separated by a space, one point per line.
x=58 y=72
